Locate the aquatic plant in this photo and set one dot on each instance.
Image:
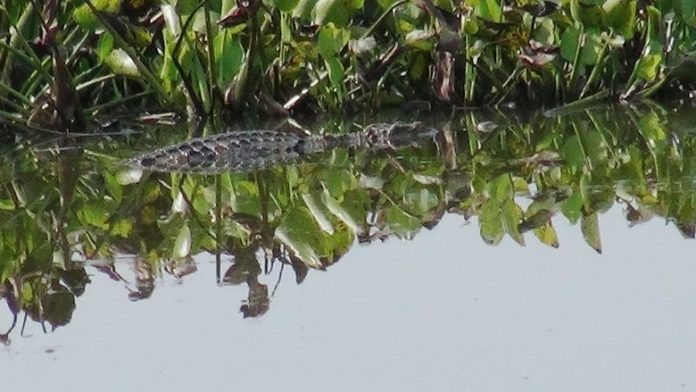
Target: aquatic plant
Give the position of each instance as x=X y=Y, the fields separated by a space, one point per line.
x=65 y=63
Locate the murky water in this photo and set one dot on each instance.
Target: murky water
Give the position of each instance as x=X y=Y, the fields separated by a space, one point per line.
x=118 y=280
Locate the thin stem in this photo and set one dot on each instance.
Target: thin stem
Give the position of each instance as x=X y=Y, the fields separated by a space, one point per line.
x=382 y=17
x=121 y=42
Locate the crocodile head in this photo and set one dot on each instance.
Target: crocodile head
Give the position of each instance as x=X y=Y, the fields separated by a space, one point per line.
x=397 y=135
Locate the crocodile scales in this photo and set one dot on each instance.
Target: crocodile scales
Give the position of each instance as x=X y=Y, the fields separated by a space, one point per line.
x=259 y=149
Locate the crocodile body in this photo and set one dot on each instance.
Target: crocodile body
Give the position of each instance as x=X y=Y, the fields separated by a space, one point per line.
x=260 y=149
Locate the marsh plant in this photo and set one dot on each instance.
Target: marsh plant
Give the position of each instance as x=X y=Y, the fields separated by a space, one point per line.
x=65 y=63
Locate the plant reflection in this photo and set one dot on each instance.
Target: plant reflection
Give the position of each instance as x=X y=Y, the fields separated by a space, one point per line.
x=68 y=211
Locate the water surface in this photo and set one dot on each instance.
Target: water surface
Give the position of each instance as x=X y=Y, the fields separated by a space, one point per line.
x=176 y=282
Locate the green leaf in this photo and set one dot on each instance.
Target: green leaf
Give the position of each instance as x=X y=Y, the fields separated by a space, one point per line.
x=7 y=205
x=229 y=54
x=336 y=74
x=244 y=198
x=592 y=16
x=654 y=132
x=338 y=12
x=122 y=228
x=547 y=235
x=338 y=181
x=420 y=39
x=84 y=16
x=121 y=64
x=648 y=66
x=303 y=9
x=27 y=292
x=512 y=215
x=487 y=9
x=534 y=220
x=106 y=45
x=58 y=307
x=501 y=188
x=400 y=222
x=685 y=10
x=420 y=200
x=182 y=244
x=284 y=5
x=572 y=207
x=95 y=213
x=351 y=212
x=491 y=223
x=317 y=211
x=114 y=188
x=589 y=51
x=589 y=225
x=299 y=232
x=573 y=153
x=331 y=40
x=621 y=16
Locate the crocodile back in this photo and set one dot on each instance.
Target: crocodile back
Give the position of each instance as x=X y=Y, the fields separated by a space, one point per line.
x=233 y=151
x=254 y=150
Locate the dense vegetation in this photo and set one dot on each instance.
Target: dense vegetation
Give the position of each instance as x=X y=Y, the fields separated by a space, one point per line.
x=63 y=62
x=63 y=208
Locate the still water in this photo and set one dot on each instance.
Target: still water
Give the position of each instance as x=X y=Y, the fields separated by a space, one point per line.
x=412 y=266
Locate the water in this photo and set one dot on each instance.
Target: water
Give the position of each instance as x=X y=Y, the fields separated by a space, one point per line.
x=410 y=308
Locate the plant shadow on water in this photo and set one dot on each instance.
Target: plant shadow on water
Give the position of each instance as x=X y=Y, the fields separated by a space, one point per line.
x=69 y=210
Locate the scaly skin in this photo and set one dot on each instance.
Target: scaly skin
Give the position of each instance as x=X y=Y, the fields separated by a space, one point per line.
x=253 y=150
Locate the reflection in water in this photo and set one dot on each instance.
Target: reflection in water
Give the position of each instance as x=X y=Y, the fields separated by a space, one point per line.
x=66 y=209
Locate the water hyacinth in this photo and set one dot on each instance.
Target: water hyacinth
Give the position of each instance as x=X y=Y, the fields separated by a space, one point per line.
x=279 y=57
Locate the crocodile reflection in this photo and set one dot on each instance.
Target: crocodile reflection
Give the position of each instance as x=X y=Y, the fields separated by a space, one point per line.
x=69 y=215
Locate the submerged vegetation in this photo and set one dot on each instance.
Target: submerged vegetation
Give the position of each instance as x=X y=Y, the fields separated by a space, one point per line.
x=65 y=209
x=62 y=63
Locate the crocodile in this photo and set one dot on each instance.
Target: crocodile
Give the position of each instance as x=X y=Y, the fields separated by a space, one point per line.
x=242 y=151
